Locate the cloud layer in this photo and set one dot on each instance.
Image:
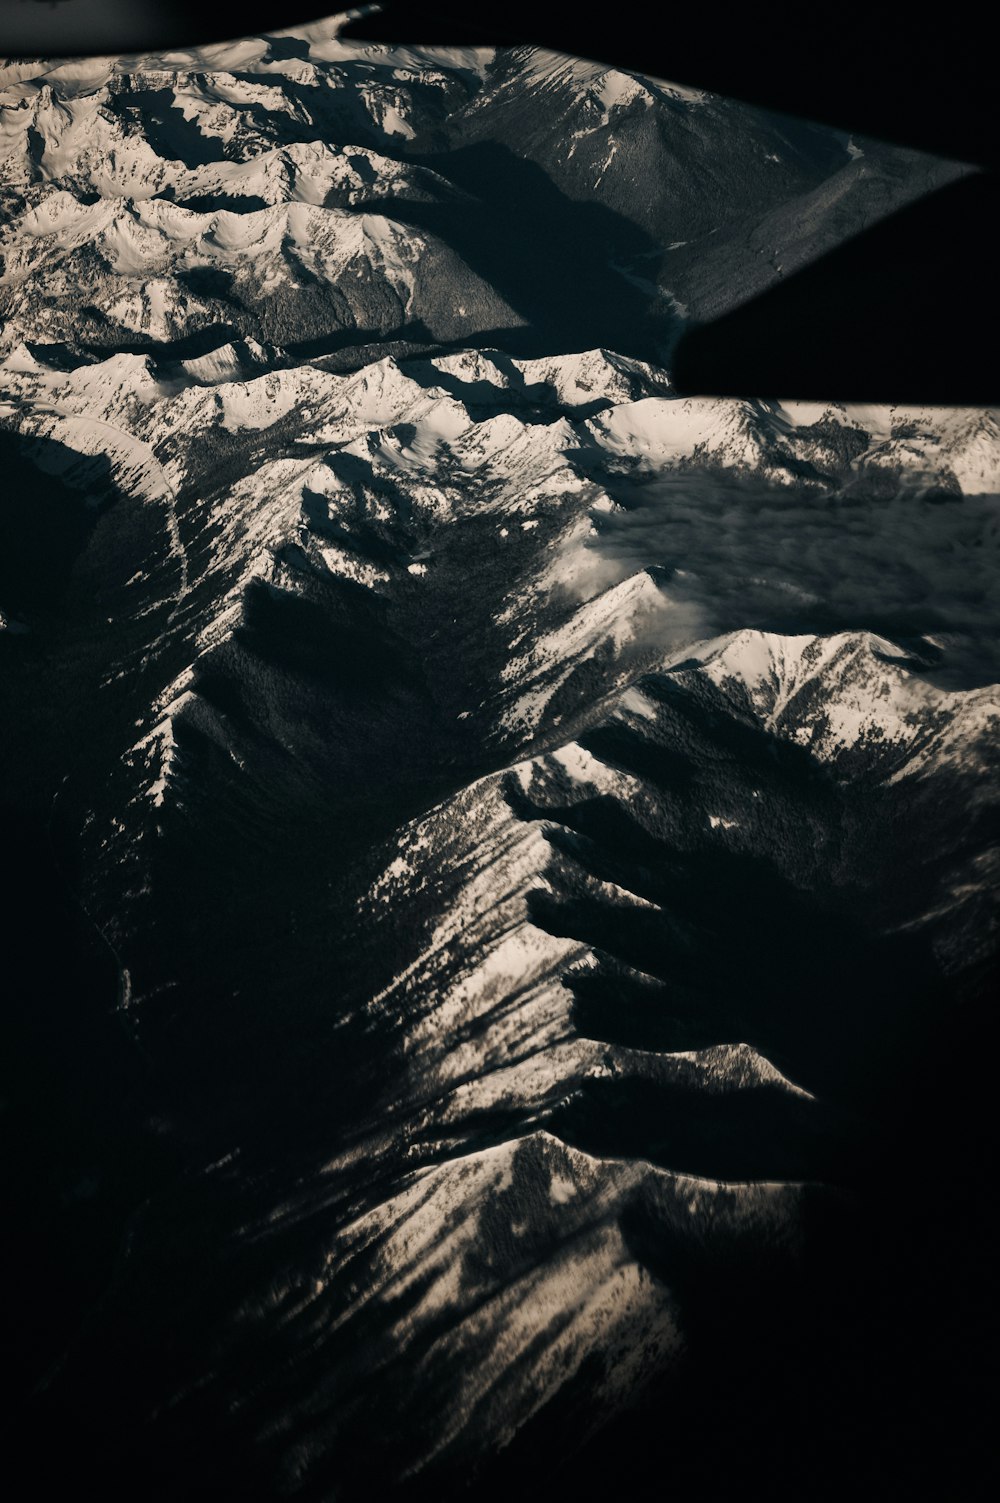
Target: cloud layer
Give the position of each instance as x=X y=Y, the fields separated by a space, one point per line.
x=909 y=563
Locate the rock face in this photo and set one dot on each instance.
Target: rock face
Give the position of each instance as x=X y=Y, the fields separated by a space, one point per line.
x=498 y=848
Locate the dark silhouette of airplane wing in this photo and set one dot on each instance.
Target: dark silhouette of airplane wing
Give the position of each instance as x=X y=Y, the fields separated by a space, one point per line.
x=901 y=313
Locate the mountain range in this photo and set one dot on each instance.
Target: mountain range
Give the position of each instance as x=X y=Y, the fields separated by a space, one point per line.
x=504 y=856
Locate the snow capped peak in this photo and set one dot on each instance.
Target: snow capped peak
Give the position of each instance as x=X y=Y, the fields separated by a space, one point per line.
x=660 y=431
x=618 y=91
x=228 y=362
x=771 y=662
x=592 y=378
x=849 y=692
x=19 y=360
x=376 y=568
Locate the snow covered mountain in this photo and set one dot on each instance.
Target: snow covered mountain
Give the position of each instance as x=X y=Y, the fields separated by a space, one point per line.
x=515 y=835
x=301 y=190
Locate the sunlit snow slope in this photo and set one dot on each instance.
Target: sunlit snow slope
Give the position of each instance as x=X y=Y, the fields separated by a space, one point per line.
x=510 y=839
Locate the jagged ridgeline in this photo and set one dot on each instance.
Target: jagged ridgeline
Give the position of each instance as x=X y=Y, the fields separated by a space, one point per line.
x=504 y=857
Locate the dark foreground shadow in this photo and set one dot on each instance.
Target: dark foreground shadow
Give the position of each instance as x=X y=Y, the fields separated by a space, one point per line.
x=900 y=313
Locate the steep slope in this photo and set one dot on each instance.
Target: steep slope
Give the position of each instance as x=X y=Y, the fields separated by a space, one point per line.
x=401 y=195
x=500 y=846
x=363 y=598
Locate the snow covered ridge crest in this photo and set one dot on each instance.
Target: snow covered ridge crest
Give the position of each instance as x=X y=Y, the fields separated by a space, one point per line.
x=482 y=748
x=851 y=695
x=367 y=476
x=137 y=188
x=648 y=481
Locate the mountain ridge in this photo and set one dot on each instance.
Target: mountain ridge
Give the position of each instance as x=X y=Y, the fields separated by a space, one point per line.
x=518 y=836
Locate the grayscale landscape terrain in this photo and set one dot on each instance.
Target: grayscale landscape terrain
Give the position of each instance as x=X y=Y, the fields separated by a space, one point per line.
x=502 y=856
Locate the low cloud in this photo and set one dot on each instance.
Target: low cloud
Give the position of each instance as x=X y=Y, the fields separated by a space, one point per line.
x=909 y=563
